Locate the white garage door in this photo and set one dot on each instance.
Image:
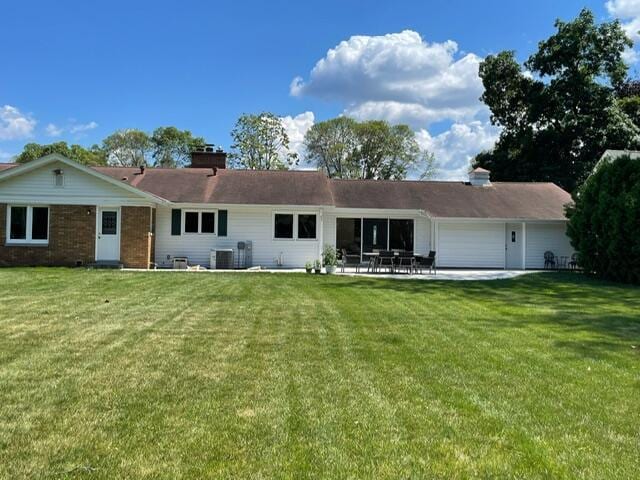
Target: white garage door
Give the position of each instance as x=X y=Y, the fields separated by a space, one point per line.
x=472 y=245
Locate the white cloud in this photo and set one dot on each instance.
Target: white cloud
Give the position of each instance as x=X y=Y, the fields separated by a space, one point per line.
x=52 y=130
x=15 y=125
x=398 y=77
x=455 y=148
x=629 y=12
x=296 y=128
x=82 y=127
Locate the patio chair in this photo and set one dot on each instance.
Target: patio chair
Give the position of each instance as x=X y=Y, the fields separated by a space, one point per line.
x=386 y=259
x=406 y=261
x=549 y=259
x=427 y=262
x=350 y=260
x=573 y=264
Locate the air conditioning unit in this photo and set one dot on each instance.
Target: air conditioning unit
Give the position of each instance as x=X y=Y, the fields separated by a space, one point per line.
x=221 y=258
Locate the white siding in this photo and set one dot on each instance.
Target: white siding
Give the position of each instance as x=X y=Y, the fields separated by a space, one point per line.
x=472 y=245
x=79 y=188
x=329 y=232
x=243 y=223
x=546 y=236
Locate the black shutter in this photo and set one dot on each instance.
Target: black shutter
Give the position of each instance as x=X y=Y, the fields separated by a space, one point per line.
x=176 y=219
x=222 y=223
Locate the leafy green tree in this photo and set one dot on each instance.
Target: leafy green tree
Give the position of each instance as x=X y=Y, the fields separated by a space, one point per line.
x=260 y=142
x=375 y=149
x=561 y=113
x=128 y=148
x=604 y=222
x=87 y=156
x=330 y=145
x=628 y=94
x=172 y=147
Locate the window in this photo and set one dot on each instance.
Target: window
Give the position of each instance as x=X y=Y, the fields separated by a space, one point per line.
x=109 y=222
x=191 y=222
x=208 y=222
x=401 y=235
x=283 y=225
x=28 y=224
x=199 y=222
x=307 y=226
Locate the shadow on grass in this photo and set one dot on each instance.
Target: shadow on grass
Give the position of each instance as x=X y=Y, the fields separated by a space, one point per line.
x=569 y=301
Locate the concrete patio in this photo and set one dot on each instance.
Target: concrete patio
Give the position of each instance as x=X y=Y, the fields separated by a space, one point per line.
x=445 y=274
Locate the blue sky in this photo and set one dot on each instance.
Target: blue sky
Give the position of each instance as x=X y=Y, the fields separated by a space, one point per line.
x=77 y=71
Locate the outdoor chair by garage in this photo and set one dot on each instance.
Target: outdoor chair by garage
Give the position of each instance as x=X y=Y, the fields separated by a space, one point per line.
x=386 y=259
x=350 y=260
x=549 y=259
x=428 y=262
x=573 y=264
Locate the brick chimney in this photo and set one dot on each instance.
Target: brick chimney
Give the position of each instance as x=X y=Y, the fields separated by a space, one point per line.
x=208 y=157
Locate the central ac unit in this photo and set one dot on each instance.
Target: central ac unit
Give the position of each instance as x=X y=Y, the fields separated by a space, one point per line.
x=221 y=258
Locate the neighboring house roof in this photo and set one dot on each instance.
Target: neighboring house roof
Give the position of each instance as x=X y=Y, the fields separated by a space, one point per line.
x=5 y=166
x=499 y=200
x=534 y=201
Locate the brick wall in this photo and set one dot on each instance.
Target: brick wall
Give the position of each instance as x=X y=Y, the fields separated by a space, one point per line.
x=72 y=231
x=136 y=238
x=71 y=239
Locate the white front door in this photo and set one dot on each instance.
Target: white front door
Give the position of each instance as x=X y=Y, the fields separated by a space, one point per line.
x=514 y=246
x=108 y=234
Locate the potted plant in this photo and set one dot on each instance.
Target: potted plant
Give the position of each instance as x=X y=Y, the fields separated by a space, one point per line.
x=330 y=258
x=308 y=267
x=317 y=266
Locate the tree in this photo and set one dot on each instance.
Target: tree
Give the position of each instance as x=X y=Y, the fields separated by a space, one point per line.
x=128 y=148
x=628 y=95
x=260 y=142
x=172 y=147
x=91 y=156
x=604 y=222
x=375 y=149
x=562 y=113
x=330 y=145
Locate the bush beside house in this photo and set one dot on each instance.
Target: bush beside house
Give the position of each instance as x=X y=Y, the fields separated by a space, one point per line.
x=604 y=222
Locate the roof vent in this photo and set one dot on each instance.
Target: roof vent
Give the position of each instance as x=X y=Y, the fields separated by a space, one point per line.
x=479 y=177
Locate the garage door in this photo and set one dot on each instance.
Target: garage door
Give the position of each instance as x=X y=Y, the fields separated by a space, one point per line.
x=471 y=245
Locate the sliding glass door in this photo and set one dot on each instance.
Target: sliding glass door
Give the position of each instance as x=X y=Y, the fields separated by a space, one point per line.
x=349 y=235
x=366 y=235
x=374 y=234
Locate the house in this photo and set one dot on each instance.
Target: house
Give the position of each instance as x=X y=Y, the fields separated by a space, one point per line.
x=54 y=211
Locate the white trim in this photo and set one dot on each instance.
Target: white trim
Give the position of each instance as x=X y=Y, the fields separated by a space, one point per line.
x=199 y=212
x=295 y=232
x=28 y=240
x=55 y=157
x=99 y=228
x=524 y=245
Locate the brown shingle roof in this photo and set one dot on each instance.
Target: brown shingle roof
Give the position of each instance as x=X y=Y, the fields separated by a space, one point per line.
x=253 y=187
x=500 y=200
x=541 y=201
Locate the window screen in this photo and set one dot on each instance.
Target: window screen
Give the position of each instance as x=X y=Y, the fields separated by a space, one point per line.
x=191 y=222
x=208 y=222
x=18 y=223
x=306 y=226
x=283 y=225
x=40 y=223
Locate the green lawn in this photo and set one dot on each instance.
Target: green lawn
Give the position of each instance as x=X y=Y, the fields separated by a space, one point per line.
x=177 y=375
